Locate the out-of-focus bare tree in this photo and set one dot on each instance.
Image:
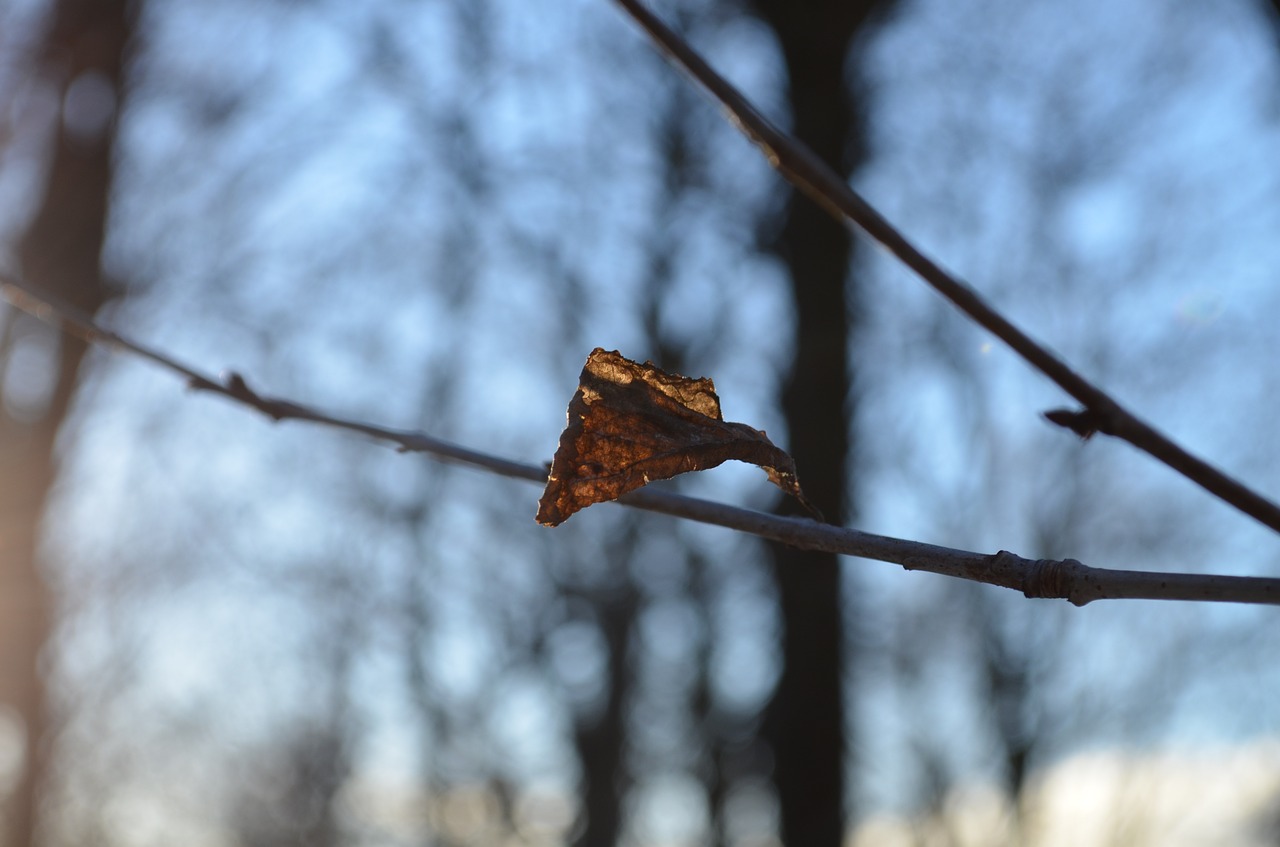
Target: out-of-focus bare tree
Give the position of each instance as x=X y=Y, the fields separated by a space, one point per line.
x=76 y=83
x=806 y=721
x=1095 y=234
x=422 y=591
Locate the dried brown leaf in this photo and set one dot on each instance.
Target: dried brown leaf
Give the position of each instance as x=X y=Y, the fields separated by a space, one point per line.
x=630 y=424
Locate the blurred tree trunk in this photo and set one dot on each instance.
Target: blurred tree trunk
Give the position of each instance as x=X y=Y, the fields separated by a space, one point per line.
x=601 y=738
x=300 y=803
x=805 y=725
x=82 y=63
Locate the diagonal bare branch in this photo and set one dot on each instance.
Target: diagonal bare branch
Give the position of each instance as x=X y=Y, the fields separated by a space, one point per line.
x=1064 y=579
x=803 y=169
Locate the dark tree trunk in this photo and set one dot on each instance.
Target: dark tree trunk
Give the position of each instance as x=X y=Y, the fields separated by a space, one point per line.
x=600 y=740
x=83 y=55
x=805 y=724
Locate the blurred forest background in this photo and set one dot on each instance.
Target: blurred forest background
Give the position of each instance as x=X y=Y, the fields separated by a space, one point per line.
x=217 y=631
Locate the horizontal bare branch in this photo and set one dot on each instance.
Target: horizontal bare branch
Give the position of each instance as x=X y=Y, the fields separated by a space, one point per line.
x=803 y=169
x=1058 y=579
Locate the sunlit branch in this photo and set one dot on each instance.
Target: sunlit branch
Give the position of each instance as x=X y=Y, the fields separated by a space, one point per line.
x=1056 y=579
x=803 y=169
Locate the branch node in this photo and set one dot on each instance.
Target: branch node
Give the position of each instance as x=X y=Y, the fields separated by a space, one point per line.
x=199 y=383
x=1005 y=560
x=1046 y=578
x=237 y=388
x=236 y=384
x=1083 y=422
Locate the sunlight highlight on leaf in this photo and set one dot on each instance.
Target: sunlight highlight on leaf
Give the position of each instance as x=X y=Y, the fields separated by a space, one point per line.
x=629 y=424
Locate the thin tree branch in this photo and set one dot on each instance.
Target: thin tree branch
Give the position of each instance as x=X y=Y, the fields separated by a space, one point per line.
x=1045 y=578
x=803 y=169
